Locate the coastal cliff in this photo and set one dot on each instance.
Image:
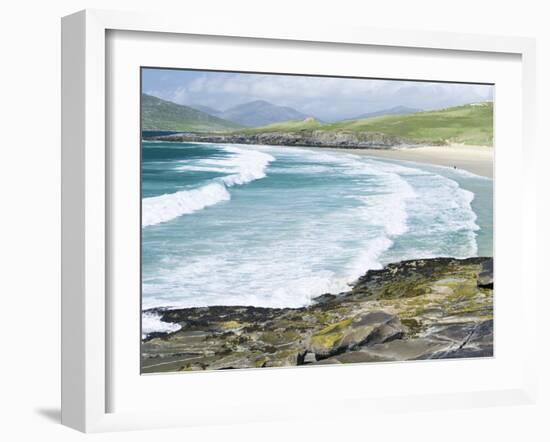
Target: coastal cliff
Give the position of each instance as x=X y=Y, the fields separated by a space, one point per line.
x=357 y=140
x=419 y=309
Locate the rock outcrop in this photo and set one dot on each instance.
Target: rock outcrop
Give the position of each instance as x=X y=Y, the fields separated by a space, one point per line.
x=315 y=138
x=420 y=309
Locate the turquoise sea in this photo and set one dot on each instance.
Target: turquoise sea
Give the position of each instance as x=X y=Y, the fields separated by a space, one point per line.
x=278 y=226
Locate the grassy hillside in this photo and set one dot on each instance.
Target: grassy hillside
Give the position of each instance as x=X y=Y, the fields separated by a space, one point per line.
x=157 y=114
x=469 y=124
x=396 y=110
x=287 y=126
x=260 y=113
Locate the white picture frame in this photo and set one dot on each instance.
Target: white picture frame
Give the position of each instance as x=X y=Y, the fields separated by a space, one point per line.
x=86 y=208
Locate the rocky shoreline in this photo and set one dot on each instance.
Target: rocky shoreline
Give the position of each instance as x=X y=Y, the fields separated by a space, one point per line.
x=419 y=309
x=315 y=138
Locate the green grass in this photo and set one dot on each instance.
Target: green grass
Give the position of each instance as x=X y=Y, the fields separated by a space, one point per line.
x=470 y=124
x=158 y=114
x=308 y=124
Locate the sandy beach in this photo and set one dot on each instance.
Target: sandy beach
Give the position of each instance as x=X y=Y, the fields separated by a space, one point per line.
x=474 y=159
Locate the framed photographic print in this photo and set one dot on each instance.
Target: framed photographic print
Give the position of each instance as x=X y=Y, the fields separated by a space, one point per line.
x=297 y=231
x=253 y=210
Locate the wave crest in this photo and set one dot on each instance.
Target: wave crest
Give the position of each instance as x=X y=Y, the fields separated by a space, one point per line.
x=243 y=167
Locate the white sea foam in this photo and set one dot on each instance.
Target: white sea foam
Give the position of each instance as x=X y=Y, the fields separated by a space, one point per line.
x=221 y=281
x=394 y=212
x=443 y=219
x=163 y=208
x=151 y=322
x=383 y=212
x=203 y=168
x=294 y=271
x=305 y=169
x=241 y=167
x=251 y=166
x=369 y=257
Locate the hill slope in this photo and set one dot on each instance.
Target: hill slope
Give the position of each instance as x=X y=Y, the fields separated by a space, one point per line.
x=468 y=124
x=397 y=110
x=260 y=113
x=158 y=114
x=206 y=109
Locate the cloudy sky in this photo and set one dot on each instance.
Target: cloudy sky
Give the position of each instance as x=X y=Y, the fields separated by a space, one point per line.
x=322 y=97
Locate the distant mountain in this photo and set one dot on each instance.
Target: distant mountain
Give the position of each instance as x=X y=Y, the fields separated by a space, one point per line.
x=397 y=110
x=260 y=113
x=162 y=115
x=206 y=109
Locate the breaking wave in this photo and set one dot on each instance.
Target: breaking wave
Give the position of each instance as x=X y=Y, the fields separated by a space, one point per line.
x=241 y=166
x=326 y=219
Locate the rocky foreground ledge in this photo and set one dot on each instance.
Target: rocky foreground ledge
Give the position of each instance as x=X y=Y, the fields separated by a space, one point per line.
x=420 y=309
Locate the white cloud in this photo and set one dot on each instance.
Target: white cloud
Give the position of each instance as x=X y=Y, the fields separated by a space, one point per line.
x=324 y=97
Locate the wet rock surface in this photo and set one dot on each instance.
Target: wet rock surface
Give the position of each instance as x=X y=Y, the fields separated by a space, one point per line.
x=413 y=310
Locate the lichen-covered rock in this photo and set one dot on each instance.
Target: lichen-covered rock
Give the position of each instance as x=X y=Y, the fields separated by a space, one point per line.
x=361 y=330
x=420 y=309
